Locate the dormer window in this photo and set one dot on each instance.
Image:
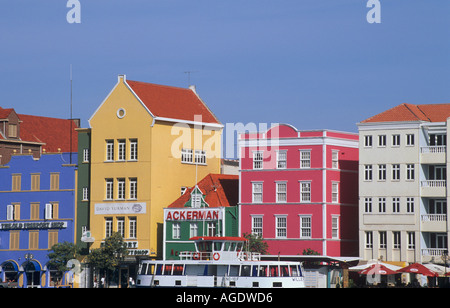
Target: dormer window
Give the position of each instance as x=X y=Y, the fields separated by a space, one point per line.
x=12 y=131
x=196 y=200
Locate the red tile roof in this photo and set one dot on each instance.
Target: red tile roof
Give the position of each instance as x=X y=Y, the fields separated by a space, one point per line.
x=54 y=132
x=221 y=190
x=172 y=102
x=410 y=112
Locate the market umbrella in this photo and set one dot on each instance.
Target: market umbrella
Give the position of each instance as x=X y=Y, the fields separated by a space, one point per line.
x=417 y=268
x=377 y=269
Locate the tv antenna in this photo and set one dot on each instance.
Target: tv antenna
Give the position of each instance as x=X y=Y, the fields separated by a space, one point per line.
x=189 y=76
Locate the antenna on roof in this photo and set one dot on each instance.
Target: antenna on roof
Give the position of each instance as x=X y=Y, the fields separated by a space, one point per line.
x=71 y=121
x=189 y=76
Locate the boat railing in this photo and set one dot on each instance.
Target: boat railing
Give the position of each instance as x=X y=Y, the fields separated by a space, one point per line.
x=220 y=255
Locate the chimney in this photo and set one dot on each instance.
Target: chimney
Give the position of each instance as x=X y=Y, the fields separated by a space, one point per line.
x=122 y=77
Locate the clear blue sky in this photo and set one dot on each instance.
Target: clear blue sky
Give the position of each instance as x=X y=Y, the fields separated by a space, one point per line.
x=310 y=63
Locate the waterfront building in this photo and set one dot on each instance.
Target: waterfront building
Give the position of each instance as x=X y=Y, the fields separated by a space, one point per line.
x=148 y=143
x=299 y=190
x=37 y=198
x=403 y=191
x=207 y=209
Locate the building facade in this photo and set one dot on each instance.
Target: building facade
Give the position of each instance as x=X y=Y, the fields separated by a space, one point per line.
x=299 y=190
x=148 y=142
x=207 y=209
x=403 y=184
x=37 y=210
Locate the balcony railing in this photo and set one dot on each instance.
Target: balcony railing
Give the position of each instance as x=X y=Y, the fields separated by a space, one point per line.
x=433 y=252
x=433 y=149
x=433 y=183
x=434 y=217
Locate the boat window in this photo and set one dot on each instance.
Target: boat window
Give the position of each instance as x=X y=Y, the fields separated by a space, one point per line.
x=233 y=246
x=217 y=246
x=159 y=268
x=208 y=246
x=239 y=246
x=227 y=246
x=245 y=270
x=168 y=269
x=294 y=270
x=178 y=269
x=273 y=270
x=255 y=271
x=143 y=269
x=284 y=271
x=151 y=269
x=234 y=270
x=263 y=271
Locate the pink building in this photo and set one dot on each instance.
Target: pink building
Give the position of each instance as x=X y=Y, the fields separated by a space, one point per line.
x=299 y=190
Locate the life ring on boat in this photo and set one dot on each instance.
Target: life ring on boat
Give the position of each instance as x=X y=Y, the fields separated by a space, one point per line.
x=196 y=256
x=216 y=256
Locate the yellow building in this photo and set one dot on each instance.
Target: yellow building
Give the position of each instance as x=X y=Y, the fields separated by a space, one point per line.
x=148 y=142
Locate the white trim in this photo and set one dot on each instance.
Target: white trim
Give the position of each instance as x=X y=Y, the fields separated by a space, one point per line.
x=214 y=125
x=302 y=141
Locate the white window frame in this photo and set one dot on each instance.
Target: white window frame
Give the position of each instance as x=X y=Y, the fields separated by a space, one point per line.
x=193 y=229
x=305 y=226
x=109 y=189
x=280 y=226
x=132 y=184
x=382 y=141
x=258 y=159
x=85 y=194
x=335 y=226
x=48 y=211
x=335 y=159
x=396 y=140
x=132 y=227
x=382 y=205
x=257 y=225
x=200 y=157
x=109 y=150
x=280 y=193
x=368 y=141
x=10 y=212
x=85 y=155
x=369 y=240
x=187 y=156
x=305 y=159
x=121 y=189
x=121 y=226
x=382 y=239
x=282 y=159
x=395 y=172
x=176 y=231
x=396 y=240
x=334 y=192
x=410 y=142
x=257 y=192
x=410 y=172
x=410 y=204
x=382 y=172
x=121 y=146
x=368 y=205
x=368 y=173
x=395 y=204
x=196 y=200
x=305 y=191
x=108 y=226
x=133 y=149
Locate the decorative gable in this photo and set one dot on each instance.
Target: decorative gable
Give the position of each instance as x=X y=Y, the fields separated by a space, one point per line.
x=197 y=199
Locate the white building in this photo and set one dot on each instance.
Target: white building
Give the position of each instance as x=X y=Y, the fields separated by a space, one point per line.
x=403 y=184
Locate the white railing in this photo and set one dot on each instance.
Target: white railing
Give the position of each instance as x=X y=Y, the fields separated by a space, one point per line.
x=433 y=183
x=433 y=149
x=433 y=252
x=220 y=255
x=434 y=217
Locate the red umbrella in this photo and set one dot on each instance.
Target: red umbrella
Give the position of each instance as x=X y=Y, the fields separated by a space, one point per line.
x=417 y=268
x=377 y=269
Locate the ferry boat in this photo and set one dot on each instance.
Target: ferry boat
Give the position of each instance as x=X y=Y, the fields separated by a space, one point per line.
x=220 y=262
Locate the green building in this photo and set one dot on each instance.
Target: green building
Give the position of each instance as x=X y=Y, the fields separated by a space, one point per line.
x=207 y=209
x=83 y=189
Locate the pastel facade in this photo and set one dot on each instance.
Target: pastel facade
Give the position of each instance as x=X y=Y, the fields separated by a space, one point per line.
x=37 y=210
x=147 y=143
x=403 y=184
x=298 y=190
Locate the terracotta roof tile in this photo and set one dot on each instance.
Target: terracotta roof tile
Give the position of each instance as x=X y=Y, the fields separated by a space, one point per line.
x=172 y=102
x=54 y=132
x=410 y=112
x=221 y=190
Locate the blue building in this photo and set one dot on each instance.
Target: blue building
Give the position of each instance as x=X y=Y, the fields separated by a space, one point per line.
x=37 y=210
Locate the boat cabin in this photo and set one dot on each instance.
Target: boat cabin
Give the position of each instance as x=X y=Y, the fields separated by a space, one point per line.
x=212 y=248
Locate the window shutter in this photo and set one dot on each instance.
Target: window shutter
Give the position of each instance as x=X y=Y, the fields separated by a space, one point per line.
x=10 y=212
x=48 y=211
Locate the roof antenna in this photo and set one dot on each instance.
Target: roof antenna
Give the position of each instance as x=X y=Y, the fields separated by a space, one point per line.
x=189 y=76
x=71 y=121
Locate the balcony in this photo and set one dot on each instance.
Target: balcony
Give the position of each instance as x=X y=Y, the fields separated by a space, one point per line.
x=433 y=254
x=434 y=222
x=433 y=154
x=433 y=188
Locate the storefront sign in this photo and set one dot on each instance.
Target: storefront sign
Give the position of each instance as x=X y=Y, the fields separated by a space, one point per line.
x=138 y=252
x=33 y=225
x=193 y=214
x=120 y=208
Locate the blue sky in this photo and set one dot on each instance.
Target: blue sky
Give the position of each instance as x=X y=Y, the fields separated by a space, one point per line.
x=310 y=63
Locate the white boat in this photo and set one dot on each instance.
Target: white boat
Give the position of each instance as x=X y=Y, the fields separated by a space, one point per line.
x=220 y=262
